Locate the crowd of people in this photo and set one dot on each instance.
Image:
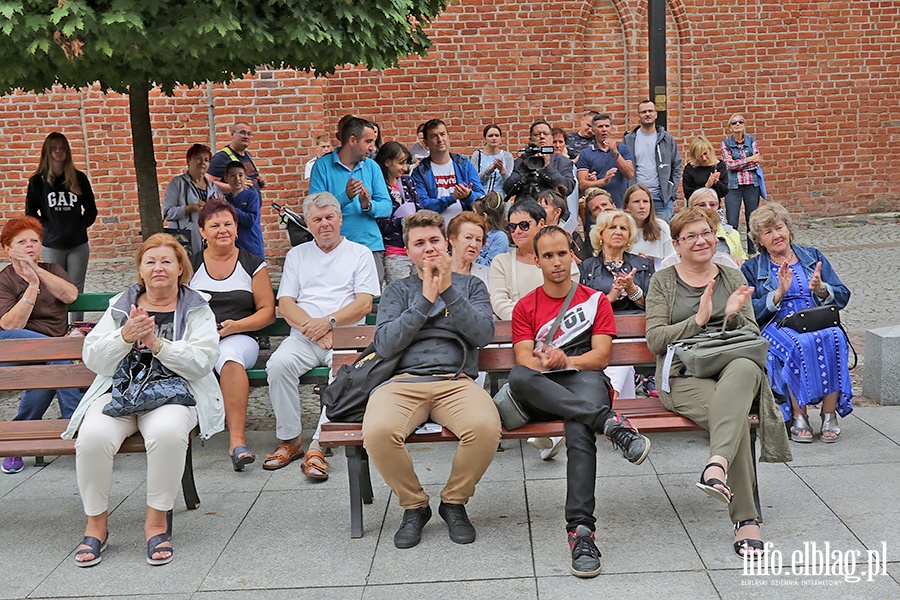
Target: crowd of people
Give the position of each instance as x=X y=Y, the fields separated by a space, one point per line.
x=557 y=238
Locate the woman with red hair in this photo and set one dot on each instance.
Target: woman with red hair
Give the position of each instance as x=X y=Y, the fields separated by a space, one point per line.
x=33 y=299
x=185 y=197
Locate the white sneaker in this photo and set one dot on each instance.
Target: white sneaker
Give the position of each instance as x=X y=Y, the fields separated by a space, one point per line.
x=540 y=443
x=557 y=444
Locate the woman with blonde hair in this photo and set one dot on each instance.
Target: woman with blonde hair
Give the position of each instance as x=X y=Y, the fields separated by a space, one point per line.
x=161 y=326
x=704 y=169
x=741 y=155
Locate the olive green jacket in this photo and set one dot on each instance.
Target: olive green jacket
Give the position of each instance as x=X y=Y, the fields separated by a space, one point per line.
x=661 y=332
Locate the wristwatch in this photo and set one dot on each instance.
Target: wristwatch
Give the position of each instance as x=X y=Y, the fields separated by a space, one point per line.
x=332 y=321
x=614 y=154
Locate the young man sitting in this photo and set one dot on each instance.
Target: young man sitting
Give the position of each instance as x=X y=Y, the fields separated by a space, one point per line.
x=425 y=386
x=563 y=378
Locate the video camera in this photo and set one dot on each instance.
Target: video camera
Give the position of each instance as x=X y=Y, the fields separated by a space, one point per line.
x=532 y=156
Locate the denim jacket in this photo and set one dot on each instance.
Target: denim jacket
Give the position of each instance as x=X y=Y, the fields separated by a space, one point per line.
x=759 y=274
x=735 y=150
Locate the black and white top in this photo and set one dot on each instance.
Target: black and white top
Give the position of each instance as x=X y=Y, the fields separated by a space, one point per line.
x=232 y=297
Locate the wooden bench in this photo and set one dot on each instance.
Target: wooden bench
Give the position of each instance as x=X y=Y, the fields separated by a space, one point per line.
x=42 y=438
x=629 y=349
x=99 y=302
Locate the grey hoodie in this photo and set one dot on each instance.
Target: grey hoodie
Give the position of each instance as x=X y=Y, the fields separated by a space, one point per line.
x=668 y=162
x=464 y=308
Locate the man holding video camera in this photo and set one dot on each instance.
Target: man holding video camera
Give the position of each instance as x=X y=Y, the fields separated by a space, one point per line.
x=539 y=169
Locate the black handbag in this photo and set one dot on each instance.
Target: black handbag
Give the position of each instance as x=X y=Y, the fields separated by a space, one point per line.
x=346 y=397
x=141 y=383
x=812 y=319
x=815 y=319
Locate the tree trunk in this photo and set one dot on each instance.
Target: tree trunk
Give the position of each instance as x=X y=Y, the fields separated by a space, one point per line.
x=144 y=160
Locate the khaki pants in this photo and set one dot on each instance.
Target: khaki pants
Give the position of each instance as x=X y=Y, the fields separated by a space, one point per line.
x=397 y=408
x=721 y=407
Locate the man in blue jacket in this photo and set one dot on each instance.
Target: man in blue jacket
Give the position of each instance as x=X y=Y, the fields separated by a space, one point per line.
x=447 y=183
x=358 y=184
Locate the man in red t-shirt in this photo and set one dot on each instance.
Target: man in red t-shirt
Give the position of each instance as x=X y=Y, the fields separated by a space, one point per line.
x=563 y=378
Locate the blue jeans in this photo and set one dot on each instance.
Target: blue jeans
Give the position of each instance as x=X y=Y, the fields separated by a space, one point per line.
x=749 y=196
x=34 y=403
x=664 y=210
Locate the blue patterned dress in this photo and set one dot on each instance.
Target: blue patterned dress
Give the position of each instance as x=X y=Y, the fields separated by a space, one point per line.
x=812 y=364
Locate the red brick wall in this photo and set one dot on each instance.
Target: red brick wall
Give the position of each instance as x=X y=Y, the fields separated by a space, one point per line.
x=813 y=79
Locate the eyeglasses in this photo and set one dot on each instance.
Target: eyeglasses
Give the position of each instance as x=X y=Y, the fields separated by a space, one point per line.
x=524 y=226
x=737 y=122
x=692 y=238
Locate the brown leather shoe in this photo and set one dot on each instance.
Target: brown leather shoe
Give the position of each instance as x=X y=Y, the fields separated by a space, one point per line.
x=284 y=454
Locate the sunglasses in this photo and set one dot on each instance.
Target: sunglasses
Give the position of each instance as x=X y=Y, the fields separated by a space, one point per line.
x=737 y=122
x=524 y=226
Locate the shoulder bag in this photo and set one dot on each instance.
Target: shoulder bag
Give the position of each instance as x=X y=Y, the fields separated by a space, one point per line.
x=512 y=415
x=706 y=354
x=816 y=318
x=346 y=397
x=182 y=235
x=141 y=383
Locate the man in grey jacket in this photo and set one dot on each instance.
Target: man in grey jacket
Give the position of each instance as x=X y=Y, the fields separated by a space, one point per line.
x=657 y=163
x=425 y=385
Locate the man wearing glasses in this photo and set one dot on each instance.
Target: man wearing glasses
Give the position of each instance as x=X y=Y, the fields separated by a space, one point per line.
x=236 y=150
x=657 y=163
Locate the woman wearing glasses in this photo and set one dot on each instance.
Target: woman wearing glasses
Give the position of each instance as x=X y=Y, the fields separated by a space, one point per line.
x=699 y=295
x=515 y=273
x=741 y=156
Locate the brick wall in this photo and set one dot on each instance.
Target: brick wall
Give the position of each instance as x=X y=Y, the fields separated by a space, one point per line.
x=813 y=79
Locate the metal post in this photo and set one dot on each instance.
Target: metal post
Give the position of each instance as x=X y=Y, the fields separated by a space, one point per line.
x=656 y=23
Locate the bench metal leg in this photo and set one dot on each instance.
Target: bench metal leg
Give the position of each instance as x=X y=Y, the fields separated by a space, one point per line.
x=355 y=473
x=755 y=475
x=365 y=478
x=191 y=498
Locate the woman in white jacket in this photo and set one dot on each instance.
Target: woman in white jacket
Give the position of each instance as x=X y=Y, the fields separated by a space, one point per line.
x=160 y=318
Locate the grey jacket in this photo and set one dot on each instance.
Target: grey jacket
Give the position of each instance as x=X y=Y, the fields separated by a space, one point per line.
x=661 y=332
x=179 y=193
x=464 y=309
x=668 y=162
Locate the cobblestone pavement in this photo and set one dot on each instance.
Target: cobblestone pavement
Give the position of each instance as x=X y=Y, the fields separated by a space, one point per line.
x=863 y=249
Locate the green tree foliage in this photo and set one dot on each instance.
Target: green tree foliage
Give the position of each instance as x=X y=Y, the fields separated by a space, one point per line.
x=129 y=46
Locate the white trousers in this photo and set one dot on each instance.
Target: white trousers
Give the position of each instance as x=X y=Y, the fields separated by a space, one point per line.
x=166 y=432
x=296 y=355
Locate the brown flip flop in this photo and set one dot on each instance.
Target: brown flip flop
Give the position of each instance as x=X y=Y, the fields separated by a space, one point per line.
x=315 y=466
x=284 y=454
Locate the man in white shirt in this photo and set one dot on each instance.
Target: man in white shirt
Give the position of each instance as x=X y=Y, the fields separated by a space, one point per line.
x=325 y=283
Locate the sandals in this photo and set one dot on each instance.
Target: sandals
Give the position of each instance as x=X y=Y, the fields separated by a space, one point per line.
x=241 y=457
x=155 y=544
x=830 y=424
x=315 y=466
x=95 y=548
x=284 y=455
x=798 y=426
x=747 y=543
x=707 y=485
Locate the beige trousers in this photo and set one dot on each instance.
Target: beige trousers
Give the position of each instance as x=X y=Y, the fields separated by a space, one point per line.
x=397 y=408
x=166 y=432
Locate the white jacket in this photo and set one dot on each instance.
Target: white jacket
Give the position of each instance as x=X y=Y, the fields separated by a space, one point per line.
x=192 y=355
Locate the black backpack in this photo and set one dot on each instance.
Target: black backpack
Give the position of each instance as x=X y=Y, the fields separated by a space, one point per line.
x=346 y=397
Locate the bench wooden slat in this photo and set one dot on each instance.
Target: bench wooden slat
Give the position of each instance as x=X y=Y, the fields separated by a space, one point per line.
x=41 y=349
x=45 y=377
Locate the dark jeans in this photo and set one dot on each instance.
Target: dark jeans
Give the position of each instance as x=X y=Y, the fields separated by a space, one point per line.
x=582 y=400
x=34 y=403
x=749 y=196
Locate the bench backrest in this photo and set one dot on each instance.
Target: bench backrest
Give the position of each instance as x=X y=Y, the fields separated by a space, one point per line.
x=629 y=348
x=41 y=376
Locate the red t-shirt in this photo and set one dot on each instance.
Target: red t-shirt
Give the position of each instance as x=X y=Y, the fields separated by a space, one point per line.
x=589 y=314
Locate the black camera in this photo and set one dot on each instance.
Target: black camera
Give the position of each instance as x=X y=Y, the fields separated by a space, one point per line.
x=532 y=156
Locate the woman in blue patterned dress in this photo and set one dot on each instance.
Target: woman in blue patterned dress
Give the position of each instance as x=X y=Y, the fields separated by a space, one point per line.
x=804 y=368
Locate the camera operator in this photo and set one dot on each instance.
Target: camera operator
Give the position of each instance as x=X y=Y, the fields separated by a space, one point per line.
x=539 y=169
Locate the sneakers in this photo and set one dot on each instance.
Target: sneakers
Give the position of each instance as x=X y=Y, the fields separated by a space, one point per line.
x=12 y=464
x=634 y=446
x=549 y=447
x=410 y=532
x=649 y=385
x=585 y=555
x=461 y=529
